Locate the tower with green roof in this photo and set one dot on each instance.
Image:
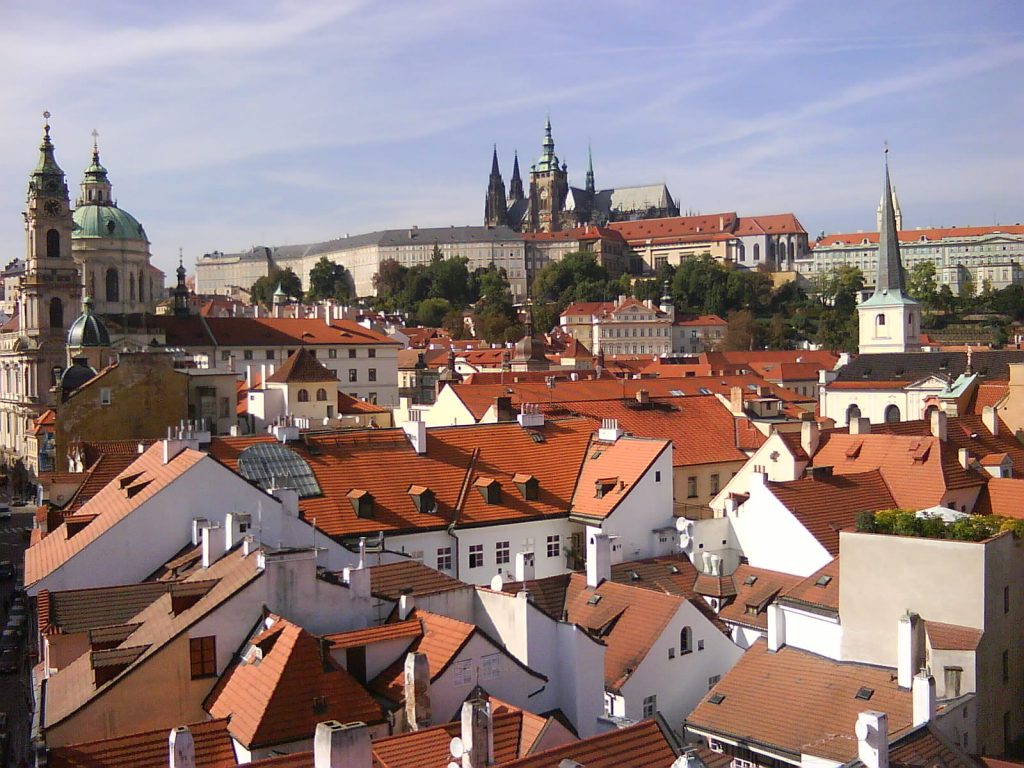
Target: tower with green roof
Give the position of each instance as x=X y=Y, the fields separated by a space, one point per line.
x=549 y=185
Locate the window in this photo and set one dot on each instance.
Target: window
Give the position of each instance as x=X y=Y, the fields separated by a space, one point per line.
x=371 y=398
x=113 y=285
x=303 y=395
x=463 y=673
x=892 y=414
x=373 y=374
x=657 y=476
x=56 y=313
x=371 y=353
x=476 y=555
x=351 y=353
x=685 y=640
x=501 y=553
x=952 y=677
x=332 y=354
x=490 y=666
x=247 y=354
x=554 y=546
x=700 y=645
x=715 y=483
x=203 y=656
x=53 y=244
x=225 y=356
x=270 y=354
x=1006 y=666
x=353 y=375
x=444 y=558
x=650 y=706
x=691 y=487
x=714 y=746
x=105 y=396
x=1006 y=599
x=672 y=652
x=321 y=395
x=712 y=682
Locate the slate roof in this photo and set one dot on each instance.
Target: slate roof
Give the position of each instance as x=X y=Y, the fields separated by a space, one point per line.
x=302 y=367
x=827 y=505
x=148 y=749
x=790 y=699
x=893 y=366
x=282 y=686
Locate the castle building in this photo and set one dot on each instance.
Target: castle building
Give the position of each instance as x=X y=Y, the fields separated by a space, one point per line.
x=553 y=205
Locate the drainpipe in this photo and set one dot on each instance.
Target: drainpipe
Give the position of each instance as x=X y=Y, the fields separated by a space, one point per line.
x=455 y=555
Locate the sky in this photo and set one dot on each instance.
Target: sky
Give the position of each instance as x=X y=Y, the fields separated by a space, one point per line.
x=229 y=124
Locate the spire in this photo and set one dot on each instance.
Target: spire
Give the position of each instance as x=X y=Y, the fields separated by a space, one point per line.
x=47 y=175
x=515 y=186
x=494 y=162
x=590 y=171
x=890 y=271
x=495 y=206
x=181 y=290
x=95 y=189
x=548 y=160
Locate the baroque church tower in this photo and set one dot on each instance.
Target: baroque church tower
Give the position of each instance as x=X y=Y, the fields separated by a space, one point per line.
x=549 y=185
x=890 y=321
x=495 y=207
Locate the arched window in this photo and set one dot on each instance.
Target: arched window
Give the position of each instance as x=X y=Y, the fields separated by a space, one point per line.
x=303 y=395
x=757 y=251
x=929 y=411
x=685 y=640
x=892 y=414
x=56 y=313
x=141 y=284
x=131 y=288
x=321 y=394
x=910 y=320
x=853 y=412
x=880 y=320
x=113 y=285
x=53 y=244
x=792 y=250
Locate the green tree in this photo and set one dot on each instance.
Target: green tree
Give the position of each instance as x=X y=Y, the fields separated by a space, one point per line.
x=262 y=290
x=448 y=279
x=921 y=283
x=455 y=325
x=840 y=287
x=743 y=332
x=838 y=330
x=390 y=278
x=559 y=280
x=432 y=311
x=328 y=280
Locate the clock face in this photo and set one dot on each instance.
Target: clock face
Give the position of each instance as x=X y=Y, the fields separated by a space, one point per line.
x=543 y=194
x=52 y=207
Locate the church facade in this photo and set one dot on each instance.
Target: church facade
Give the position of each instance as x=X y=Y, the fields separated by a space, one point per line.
x=553 y=205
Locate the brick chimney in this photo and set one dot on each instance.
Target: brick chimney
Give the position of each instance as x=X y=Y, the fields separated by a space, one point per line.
x=417 y=691
x=181 y=748
x=341 y=746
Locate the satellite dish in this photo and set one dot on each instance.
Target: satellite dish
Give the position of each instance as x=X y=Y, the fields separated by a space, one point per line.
x=683 y=525
x=497 y=583
x=457 y=748
x=454 y=765
x=684 y=540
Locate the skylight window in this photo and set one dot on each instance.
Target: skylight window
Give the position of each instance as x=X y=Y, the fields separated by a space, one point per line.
x=271 y=465
x=823 y=580
x=594 y=600
x=749 y=581
x=864 y=694
x=704 y=391
x=716 y=698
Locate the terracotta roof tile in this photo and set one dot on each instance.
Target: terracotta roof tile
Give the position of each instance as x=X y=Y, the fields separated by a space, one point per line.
x=648 y=743
x=755 y=589
x=915 y=235
x=390 y=580
x=826 y=505
x=925 y=747
x=78 y=610
x=148 y=749
x=791 y=698
x=283 y=686
x=819 y=591
x=285 y=331
x=398 y=630
x=598 y=494
x=1001 y=496
x=952 y=637
x=302 y=367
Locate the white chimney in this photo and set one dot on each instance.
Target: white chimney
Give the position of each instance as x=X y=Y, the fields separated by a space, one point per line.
x=289 y=498
x=213 y=545
x=908 y=649
x=416 y=429
x=990 y=418
x=358 y=580
x=860 y=426
x=776 y=627
x=477 y=734
x=609 y=431
x=417 y=691
x=938 y=424
x=181 y=748
x=263 y=375
x=705 y=558
x=236 y=525
x=248 y=375
x=599 y=558
x=924 y=698
x=965 y=457
x=530 y=415
x=716 y=565
x=872 y=731
x=341 y=746
x=405 y=605
x=524 y=566
x=810 y=435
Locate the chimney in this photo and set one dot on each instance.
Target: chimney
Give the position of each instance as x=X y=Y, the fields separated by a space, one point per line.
x=860 y=426
x=416 y=430
x=872 y=731
x=990 y=418
x=909 y=656
x=213 y=545
x=721 y=223
x=477 y=734
x=341 y=746
x=939 y=424
x=358 y=580
x=248 y=376
x=776 y=627
x=924 y=698
x=810 y=436
x=530 y=415
x=236 y=525
x=609 y=431
x=289 y=498
x=417 y=691
x=406 y=602
x=181 y=748
x=503 y=408
x=643 y=397
x=263 y=375
x=599 y=558
x=736 y=400
x=965 y=458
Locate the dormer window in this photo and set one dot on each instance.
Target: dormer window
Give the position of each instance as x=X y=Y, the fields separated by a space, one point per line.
x=490 y=489
x=362 y=502
x=528 y=485
x=604 y=485
x=424 y=499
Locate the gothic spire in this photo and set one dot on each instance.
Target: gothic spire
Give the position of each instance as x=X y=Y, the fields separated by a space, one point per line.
x=590 y=171
x=494 y=162
x=890 y=279
x=495 y=206
x=515 y=186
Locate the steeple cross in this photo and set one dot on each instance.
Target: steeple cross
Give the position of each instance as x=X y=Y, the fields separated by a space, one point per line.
x=95 y=136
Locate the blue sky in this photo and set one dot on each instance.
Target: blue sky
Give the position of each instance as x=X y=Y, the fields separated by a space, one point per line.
x=226 y=124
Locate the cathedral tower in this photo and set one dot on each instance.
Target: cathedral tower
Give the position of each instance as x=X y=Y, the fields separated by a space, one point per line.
x=495 y=207
x=515 y=186
x=890 y=321
x=549 y=185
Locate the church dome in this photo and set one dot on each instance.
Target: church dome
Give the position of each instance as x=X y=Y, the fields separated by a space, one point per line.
x=77 y=374
x=106 y=221
x=88 y=330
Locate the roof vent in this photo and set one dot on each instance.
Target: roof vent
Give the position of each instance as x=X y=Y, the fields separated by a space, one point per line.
x=594 y=600
x=634 y=576
x=864 y=693
x=823 y=580
x=716 y=698
x=749 y=581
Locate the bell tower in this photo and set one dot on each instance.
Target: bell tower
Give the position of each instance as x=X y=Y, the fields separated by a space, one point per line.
x=549 y=185
x=51 y=288
x=495 y=207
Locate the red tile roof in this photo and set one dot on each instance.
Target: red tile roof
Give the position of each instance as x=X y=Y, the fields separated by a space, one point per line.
x=676 y=226
x=790 y=699
x=952 y=637
x=756 y=588
x=285 y=331
x=825 y=506
x=648 y=743
x=779 y=223
x=597 y=495
x=1001 y=496
x=819 y=591
x=700 y=320
x=148 y=749
x=398 y=630
x=926 y=747
x=390 y=580
x=283 y=686
x=302 y=367
x=916 y=235
x=353 y=405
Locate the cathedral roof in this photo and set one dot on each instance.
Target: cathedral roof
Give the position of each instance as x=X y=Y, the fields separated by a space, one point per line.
x=106 y=221
x=88 y=330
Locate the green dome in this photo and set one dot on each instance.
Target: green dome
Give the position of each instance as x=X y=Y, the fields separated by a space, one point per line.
x=88 y=330
x=106 y=221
